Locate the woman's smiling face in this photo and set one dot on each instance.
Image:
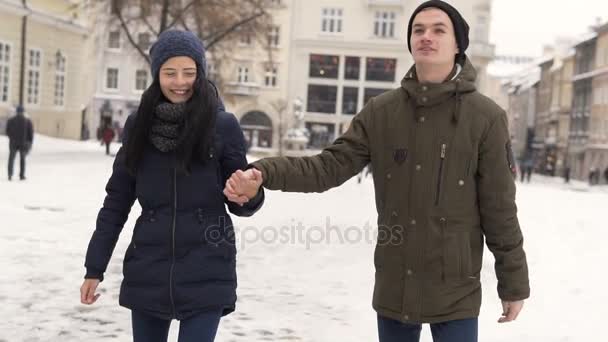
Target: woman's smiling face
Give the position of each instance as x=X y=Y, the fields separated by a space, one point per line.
x=176 y=78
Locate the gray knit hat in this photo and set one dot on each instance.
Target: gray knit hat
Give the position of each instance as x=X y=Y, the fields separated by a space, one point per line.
x=173 y=43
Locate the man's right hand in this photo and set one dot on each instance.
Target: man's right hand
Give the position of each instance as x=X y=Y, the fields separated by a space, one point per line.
x=87 y=291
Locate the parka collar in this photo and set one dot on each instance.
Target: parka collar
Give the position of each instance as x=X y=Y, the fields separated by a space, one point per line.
x=426 y=94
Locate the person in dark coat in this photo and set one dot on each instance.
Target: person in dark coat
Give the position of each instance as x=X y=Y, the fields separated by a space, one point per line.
x=107 y=136
x=179 y=150
x=20 y=132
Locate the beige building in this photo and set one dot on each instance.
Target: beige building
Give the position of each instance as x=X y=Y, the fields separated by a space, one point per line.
x=343 y=52
x=255 y=81
x=579 y=158
x=597 y=148
x=56 y=85
x=522 y=91
x=561 y=107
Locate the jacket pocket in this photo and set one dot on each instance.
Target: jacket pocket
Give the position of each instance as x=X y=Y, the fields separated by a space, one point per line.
x=456 y=249
x=388 y=288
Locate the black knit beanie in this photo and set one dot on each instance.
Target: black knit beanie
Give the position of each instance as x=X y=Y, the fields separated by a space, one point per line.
x=461 y=28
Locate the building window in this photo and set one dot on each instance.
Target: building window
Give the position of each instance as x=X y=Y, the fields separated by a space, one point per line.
x=143 y=41
x=321 y=134
x=212 y=71
x=112 y=78
x=381 y=69
x=351 y=68
x=33 y=76
x=270 y=79
x=322 y=99
x=372 y=92
x=331 y=20
x=141 y=80
x=481 y=29
x=244 y=36
x=384 y=24
x=5 y=71
x=60 y=69
x=114 y=40
x=242 y=75
x=273 y=36
x=350 y=97
x=324 y=66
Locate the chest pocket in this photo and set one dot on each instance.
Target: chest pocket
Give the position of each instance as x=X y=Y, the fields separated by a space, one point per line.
x=460 y=181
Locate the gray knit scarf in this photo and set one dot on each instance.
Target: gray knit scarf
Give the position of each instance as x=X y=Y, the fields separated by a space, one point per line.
x=167 y=125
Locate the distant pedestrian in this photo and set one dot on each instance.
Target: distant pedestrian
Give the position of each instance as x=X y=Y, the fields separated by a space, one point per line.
x=567 y=174
x=107 y=136
x=20 y=132
x=593 y=176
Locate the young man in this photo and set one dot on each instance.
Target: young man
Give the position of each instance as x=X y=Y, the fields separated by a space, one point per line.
x=20 y=132
x=442 y=174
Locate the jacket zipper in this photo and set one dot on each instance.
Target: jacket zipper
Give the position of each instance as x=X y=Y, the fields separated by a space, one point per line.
x=440 y=178
x=173 y=312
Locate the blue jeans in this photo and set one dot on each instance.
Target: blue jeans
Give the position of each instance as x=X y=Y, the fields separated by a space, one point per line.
x=199 y=328
x=463 y=330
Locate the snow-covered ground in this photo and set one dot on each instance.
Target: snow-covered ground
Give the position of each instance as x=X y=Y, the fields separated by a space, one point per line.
x=288 y=291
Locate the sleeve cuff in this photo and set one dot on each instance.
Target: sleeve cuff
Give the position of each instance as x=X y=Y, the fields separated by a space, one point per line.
x=93 y=274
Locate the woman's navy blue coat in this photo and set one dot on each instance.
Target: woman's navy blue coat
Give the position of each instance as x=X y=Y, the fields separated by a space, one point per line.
x=181 y=259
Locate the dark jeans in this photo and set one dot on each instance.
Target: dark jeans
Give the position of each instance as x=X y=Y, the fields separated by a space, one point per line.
x=199 y=328
x=463 y=330
x=11 y=160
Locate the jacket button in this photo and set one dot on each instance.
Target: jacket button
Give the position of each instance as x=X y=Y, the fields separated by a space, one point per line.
x=442 y=219
x=413 y=222
x=409 y=272
x=406 y=317
x=388 y=175
x=418 y=167
x=151 y=212
x=421 y=119
x=424 y=99
x=424 y=88
x=461 y=182
x=152 y=219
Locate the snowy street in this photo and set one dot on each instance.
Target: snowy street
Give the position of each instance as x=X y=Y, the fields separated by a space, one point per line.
x=288 y=290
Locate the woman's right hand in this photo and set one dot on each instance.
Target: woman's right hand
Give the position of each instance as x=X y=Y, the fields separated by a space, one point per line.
x=87 y=291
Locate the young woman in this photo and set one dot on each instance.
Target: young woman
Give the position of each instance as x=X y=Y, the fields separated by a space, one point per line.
x=180 y=148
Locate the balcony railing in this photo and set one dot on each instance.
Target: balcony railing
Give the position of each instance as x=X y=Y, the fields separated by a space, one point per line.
x=244 y=89
x=398 y=3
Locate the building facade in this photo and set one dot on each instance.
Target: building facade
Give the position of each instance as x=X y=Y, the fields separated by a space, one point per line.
x=578 y=156
x=344 y=52
x=597 y=148
x=51 y=78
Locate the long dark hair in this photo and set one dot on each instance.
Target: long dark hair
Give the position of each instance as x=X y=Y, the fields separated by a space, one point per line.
x=196 y=139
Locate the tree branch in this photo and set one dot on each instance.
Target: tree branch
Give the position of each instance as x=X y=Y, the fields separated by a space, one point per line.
x=164 y=14
x=148 y=25
x=125 y=28
x=179 y=15
x=215 y=38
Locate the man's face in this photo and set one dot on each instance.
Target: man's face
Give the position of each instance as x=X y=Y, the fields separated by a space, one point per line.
x=433 y=40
